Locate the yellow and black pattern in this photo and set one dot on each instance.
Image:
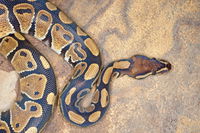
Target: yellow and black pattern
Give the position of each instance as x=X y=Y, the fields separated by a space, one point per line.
x=86 y=97
x=37 y=87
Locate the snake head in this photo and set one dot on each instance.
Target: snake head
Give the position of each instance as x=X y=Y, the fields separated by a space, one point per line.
x=143 y=66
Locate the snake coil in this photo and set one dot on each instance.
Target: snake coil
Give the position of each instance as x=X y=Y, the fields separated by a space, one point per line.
x=86 y=97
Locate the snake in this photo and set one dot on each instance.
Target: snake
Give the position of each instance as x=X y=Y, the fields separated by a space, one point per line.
x=85 y=99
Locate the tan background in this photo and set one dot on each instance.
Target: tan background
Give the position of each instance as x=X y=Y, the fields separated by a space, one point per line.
x=168 y=29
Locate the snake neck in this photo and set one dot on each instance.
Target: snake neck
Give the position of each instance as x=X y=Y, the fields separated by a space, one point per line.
x=88 y=101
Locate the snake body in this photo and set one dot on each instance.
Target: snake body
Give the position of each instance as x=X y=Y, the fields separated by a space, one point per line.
x=37 y=84
x=85 y=98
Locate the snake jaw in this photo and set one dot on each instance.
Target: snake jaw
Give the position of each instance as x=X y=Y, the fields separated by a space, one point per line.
x=143 y=66
x=166 y=67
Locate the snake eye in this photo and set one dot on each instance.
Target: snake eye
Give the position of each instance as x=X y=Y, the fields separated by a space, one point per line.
x=153 y=72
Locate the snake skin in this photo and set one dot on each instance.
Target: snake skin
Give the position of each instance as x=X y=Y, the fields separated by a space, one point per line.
x=85 y=98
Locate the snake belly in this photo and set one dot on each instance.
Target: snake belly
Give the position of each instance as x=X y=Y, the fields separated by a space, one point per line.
x=85 y=98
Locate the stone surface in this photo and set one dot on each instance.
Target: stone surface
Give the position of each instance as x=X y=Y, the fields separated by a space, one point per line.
x=8 y=91
x=168 y=103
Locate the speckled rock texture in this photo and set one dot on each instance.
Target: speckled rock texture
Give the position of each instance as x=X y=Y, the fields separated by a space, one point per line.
x=168 y=29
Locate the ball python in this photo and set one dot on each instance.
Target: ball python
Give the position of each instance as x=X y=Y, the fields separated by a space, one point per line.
x=85 y=98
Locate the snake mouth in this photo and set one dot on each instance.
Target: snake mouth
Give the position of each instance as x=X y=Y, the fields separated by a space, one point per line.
x=165 y=67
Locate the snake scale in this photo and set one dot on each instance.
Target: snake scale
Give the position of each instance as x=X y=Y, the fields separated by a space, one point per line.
x=85 y=98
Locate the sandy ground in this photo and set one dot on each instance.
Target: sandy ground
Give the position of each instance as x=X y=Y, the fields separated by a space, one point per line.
x=168 y=103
